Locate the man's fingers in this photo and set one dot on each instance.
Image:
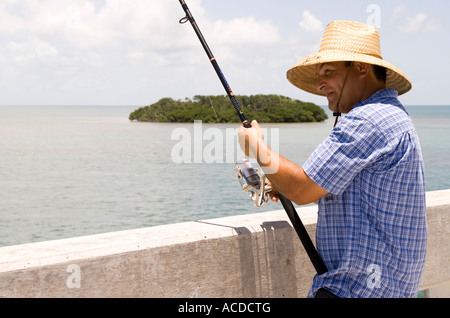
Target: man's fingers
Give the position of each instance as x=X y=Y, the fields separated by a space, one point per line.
x=273 y=195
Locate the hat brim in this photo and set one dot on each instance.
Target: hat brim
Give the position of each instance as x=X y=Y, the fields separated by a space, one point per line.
x=303 y=74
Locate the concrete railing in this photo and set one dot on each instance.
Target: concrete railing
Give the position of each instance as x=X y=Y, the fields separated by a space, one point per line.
x=256 y=255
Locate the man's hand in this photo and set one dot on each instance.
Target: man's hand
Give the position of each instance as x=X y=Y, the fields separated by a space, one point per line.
x=250 y=139
x=273 y=195
x=287 y=177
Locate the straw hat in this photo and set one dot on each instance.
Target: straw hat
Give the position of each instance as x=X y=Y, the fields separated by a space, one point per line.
x=346 y=41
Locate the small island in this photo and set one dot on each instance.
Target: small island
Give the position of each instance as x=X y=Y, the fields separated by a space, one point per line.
x=218 y=109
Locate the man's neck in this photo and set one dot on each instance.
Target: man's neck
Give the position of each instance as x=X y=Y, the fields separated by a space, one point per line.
x=372 y=89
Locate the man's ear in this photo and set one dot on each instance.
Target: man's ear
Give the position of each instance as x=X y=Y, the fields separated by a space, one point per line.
x=363 y=69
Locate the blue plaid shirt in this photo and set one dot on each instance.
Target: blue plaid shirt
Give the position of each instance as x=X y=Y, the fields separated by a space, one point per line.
x=371 y=229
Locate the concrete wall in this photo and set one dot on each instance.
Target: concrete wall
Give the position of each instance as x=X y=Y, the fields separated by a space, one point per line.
x=257 y=255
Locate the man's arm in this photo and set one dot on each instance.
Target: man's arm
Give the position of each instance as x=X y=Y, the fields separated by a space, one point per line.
x=285 y=176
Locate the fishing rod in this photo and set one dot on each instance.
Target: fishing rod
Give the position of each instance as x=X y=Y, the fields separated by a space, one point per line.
x=214 y=63
x=250 y=179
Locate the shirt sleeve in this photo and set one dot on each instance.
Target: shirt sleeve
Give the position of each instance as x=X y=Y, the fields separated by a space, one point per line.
x=353 y=145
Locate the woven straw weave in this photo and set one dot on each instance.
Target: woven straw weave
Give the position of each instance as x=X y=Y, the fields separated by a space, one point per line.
x=346 y=41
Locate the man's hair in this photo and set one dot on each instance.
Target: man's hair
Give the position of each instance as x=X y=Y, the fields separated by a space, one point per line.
x=379 y=71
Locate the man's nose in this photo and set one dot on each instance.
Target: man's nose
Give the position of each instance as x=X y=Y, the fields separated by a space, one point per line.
x=320 y=84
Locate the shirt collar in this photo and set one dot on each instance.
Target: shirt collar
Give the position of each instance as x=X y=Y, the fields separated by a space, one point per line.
x=378 y=96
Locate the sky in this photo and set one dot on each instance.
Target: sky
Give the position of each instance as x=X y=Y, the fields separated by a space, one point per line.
x=134 y=52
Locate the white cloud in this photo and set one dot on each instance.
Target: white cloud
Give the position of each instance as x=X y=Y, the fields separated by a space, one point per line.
x=134 y=27
x=87 y=24
x=397 y=13
x=310 y=22
x=244 y=31
x=432 y=25
x=31 y=51
x=80 y=45
x=9 y=23
x=420 y=23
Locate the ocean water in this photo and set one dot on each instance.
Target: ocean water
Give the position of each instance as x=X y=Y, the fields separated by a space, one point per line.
x=69 y=171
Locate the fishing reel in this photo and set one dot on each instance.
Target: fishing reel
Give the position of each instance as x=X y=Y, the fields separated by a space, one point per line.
x=252 y=182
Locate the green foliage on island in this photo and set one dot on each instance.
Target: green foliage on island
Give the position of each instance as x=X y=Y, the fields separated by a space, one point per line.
x=213 y=109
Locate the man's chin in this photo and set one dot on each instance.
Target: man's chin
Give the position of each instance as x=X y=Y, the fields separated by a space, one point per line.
x=332 y=107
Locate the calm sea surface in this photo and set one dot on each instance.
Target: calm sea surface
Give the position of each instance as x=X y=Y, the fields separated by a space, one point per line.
x=68 y=171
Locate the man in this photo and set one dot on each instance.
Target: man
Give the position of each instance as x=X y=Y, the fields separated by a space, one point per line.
x=367 y=176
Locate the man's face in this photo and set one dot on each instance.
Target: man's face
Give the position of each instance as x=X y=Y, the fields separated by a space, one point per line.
x=330 y=80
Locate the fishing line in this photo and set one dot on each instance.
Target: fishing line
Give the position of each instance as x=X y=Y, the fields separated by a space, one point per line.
x=212 y=106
